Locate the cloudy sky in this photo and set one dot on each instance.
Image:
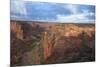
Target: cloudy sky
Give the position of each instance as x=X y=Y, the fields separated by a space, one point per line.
x=56 y=12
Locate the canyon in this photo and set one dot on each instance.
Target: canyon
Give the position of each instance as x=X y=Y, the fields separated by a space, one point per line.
x=48 y=43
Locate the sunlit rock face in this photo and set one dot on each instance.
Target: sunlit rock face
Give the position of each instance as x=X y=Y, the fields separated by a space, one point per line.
x=76 y=31
x=47 y=46
x=16 y=28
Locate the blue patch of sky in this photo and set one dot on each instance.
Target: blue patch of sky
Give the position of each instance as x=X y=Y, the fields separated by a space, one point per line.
x=45 y=10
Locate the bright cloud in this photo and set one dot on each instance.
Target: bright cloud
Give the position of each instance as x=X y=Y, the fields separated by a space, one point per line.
x=72 y=8
x=82 y=17
x=18 y=6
